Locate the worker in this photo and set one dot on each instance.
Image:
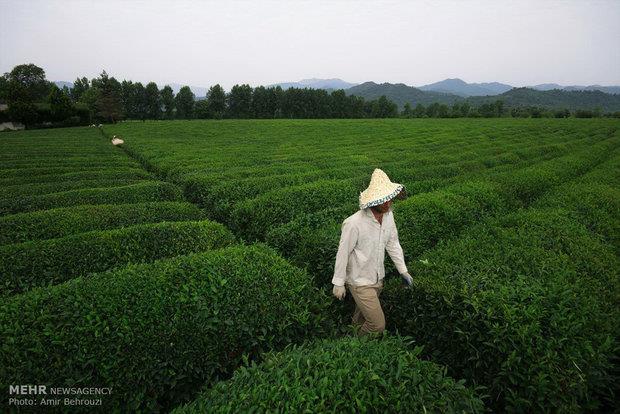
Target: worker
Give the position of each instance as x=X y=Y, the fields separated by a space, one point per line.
x=365 y=237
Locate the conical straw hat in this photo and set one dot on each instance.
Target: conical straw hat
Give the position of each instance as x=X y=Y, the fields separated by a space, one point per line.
x=380 y=190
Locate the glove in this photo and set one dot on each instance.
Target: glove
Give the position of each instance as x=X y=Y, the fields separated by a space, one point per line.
x=339 y=292
x=407 y=279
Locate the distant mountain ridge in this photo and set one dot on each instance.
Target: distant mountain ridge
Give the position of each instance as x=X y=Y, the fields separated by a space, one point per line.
x=462 y=88
x=554 y=99
x=400 y=94
x=551 y=86
x=314 y=83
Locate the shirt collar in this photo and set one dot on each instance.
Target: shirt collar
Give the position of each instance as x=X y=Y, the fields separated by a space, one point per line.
x=371 y=216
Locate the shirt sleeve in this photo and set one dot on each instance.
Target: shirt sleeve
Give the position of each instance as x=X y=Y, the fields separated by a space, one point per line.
x=396 y=251
x=348 y=240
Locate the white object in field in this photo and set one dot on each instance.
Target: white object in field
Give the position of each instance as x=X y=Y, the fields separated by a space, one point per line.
x=117 y=141
x=11 y=126
x=100 y=125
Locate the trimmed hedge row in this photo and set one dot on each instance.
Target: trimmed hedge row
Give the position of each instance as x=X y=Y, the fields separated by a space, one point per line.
x=347 y=375
x=526 y=185
x=35 y=189
x=156 y=332
x=144 y=191
x=220 y=199
x=311 y=240
x=48 y=262
x=17 y=173
x=65 y=221
x=593 y=199
x=428 y=218
x=219 y=195
x=526 y=305
x=254 y=217
x=596 y=206
x=57 y=162
x=101 y=174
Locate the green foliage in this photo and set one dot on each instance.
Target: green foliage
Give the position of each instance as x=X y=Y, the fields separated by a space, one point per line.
x=153 y=101
x=526 y=185
x=27 y=83
x=216 y=100
x=428 y=218
x=167 y=99
x=239 y=101
x=60 y=222
x=524 y=302
x=184 y=102
x=348 y=375
x=60 y=104
x=143 y=191
x=109 y=106
x=91 y=98
x=254 y=217
x=156 y=332
x=48 y=262
x=80 y=85
x=311 y=241
x=523 y=305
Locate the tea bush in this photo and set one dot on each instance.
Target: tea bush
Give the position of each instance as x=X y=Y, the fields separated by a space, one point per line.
x=96 y=174
x=156 y=332
x=526 y=305
x=253 y=218
x=22 y=190
x=65 y=221
x=47 y=262
x=347 y=375
x=144 y=191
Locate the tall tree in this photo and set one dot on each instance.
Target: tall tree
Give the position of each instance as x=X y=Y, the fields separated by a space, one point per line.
x=465 y=108
x=260 y=103
x=28 y=83
x=139 y=101
x=21 y=88
x=201 y=109
x=240 y=101
x=127 y=99
x=91 y=98
x=110 y=102
x=60 y=104
x=185 y=103
x=407 y=111
x=167 y=100
x=340 y=104
x=80 y=86
x=419 y=111
x=432 y=111
x=386 y=108
x=216 y=97
x=153 y=101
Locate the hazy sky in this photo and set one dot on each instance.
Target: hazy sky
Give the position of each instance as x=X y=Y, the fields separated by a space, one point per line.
x=201 y=43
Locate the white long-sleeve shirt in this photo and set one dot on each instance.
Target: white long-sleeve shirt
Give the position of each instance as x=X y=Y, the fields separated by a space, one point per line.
x=361 y=252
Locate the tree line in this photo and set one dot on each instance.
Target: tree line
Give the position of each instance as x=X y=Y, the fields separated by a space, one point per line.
x=34 y=101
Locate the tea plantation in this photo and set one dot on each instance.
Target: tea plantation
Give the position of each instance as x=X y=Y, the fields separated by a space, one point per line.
x=189 y=269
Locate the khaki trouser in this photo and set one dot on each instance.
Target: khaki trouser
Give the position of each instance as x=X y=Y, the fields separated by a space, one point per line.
x=368 y=313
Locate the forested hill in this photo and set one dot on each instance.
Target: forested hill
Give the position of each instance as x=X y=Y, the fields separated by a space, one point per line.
x=400 y=94
x=556 y=99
